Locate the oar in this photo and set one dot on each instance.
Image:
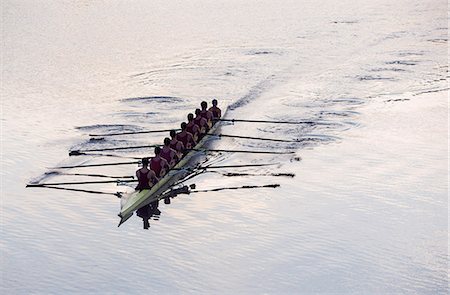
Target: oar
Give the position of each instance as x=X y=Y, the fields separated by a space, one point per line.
x=254 y=174
x=78 y=182
x=76 y=152
x=269 y=121
x=235 y=188
x=90 y=175
x=236 y=166
x=97 y=165
x=118 y=194
x=134 y=132
x=257 y=138
x=242 y=151
x=224 y=166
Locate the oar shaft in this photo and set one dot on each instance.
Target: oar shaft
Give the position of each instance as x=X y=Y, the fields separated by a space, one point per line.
x=243 y=151
x=133 y=132
x=82 y=190
x=72 y=153
x=235 y=188
x=236 y=166
x=97 y=175
x=78 y=182
x=256 y=138
x=268 y=121
x=78 y=153
x=97 y=165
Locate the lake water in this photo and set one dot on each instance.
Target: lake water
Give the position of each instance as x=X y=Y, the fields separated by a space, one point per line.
x=367 y=210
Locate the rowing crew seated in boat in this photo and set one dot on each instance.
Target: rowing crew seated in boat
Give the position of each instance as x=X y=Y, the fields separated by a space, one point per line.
x=177 y=145
x=158 y=164
x=169 y=153
x=216 y=112
x=201 y=121
x=146 y=177
x=186 y=138
x=192 y=127
x=174 y=148
x=207 y=114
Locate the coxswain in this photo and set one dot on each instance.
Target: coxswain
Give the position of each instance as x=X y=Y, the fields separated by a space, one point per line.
x=146 y=177
x=201 y=122
x=177 y=145
x=186 y=138
x=216 y=112
x=169 y=153
x=192 y=127
x=158 y=164
x=206 y=113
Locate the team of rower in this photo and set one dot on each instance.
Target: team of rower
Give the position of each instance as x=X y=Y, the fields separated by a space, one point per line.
x=177 y=145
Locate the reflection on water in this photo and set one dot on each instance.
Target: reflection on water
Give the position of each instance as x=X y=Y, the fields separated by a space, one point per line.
x=147 y=212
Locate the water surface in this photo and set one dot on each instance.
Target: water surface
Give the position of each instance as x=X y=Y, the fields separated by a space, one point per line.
x=366 y=213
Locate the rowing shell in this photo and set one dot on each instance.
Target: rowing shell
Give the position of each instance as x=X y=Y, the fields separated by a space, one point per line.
x=135 y=200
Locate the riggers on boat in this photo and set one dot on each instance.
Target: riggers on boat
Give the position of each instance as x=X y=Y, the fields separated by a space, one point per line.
x=135 y=200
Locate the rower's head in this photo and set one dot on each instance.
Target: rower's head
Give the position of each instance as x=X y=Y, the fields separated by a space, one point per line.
x=214 y=102
x=166 y=141
x=145 y=162
x=183 y=126
x=173 y=133
x=190 y=117
x=197 y=112
x=157 y=150
x=204 y=105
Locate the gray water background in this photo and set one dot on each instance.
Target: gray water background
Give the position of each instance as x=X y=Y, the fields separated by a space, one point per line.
x=367 y=212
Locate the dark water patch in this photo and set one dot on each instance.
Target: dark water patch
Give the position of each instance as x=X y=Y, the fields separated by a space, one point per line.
x=431 y=91
x=156 y=99
x=138 y=74
x=345 y=101
x=373 y=78
x=151 y=117
x=345 y=22
x=108 y=127
x=402 y=62
x=396 y=35
x=140 y=114
x=387 y=70
x=338 y=113
x=261 y=52
x=410 y=53
x=397 y=99
x=438 y=40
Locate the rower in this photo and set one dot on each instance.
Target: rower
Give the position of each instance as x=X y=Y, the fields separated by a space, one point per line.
x=146 y=178
x=186 y=138
x=169 y=153
x=206 y=113
x=217 y=113
x=158 y=164
x=192 y=127
x=201 y=122
x=175 y=144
